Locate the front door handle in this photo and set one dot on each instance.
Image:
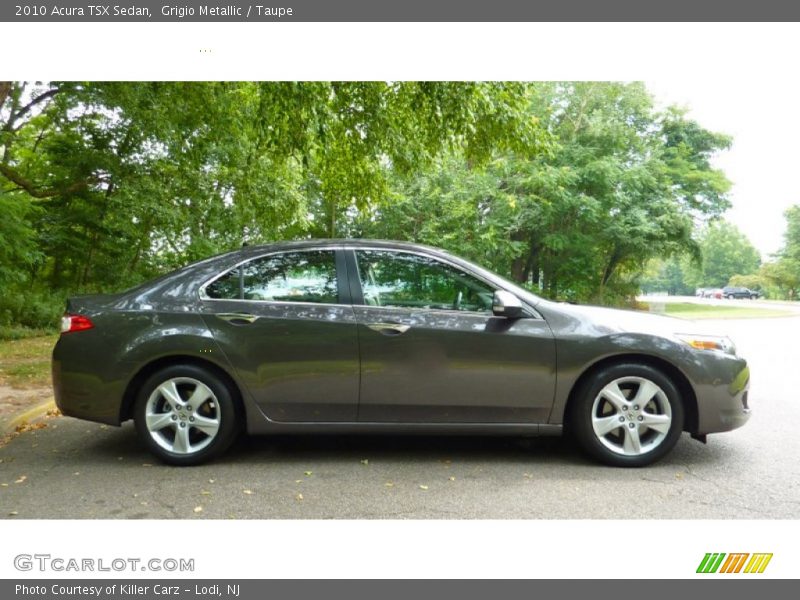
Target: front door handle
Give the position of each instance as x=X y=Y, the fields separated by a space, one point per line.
x=389 y=328
x=238 y=318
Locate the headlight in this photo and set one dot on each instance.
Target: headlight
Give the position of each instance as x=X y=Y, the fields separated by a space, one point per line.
x=708 y=342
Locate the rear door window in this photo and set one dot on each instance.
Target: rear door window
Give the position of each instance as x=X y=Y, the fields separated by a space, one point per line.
x=308 y=276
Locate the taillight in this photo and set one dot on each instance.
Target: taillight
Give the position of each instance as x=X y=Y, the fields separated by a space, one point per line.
x=71 y=323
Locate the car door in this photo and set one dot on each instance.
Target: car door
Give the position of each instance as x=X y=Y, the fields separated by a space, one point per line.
x=433 y=352
x=286 y=325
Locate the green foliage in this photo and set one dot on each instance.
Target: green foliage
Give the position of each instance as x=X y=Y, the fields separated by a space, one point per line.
x=754 y=281
x=726 y=252
x=30 y=309
x=569 y=188
x=619 y=185
x=668 y=276
x=784 y=274
x=120 y=181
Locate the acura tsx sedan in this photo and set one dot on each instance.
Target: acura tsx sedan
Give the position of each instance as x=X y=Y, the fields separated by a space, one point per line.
x=348 y=336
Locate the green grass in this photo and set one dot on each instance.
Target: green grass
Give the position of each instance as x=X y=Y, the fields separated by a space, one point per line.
x=13 y=332
x=688 y=310
x=25 y=363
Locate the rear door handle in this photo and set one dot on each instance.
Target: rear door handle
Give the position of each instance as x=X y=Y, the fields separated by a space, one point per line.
x=238 y=318
x=389 y=328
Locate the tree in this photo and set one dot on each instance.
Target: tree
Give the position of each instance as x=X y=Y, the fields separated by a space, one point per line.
x=569 y=188
x=621 y=184
x=726 y=252
x=668 y=275
x=122 y=180
x=785 y=272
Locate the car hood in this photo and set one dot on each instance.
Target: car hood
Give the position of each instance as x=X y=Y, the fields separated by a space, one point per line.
x=611 y=320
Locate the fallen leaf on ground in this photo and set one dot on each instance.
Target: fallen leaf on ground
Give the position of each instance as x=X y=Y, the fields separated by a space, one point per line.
x=365 y=461
x=205 y=493
x=452 y=478
x=23 y=427
x=198 y=509
x=248 y=492
x=13 y=513
x=77 y=473
x=210 y=481
x=21 y=479
x=298 y=497
x=308 y=473
x=423 y=487
x=146 y=465
x=389 y=484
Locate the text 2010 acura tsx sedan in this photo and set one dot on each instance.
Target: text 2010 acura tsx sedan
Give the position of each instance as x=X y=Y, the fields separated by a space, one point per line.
x=344 y=336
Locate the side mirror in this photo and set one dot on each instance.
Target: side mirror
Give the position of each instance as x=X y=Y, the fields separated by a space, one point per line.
x=506 y=304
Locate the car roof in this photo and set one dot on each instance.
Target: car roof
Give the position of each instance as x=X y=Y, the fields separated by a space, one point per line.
x=348 y=242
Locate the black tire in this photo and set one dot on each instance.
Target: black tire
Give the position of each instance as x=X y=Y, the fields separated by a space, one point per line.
x=589 y=406
x=220 y=409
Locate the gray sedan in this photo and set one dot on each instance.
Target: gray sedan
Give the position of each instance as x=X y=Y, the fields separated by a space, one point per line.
x=348 y=336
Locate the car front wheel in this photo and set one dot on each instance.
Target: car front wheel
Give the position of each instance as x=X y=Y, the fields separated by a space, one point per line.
x=627 y=415
x=186 y=415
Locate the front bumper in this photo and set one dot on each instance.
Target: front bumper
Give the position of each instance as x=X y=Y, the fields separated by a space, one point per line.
x=722 y=404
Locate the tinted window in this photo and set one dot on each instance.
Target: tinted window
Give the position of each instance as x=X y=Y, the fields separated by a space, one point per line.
x=411 y=281
x=289 y=277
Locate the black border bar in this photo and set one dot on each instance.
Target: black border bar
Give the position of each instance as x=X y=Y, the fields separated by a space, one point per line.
x=399 y=589
x=259 y=11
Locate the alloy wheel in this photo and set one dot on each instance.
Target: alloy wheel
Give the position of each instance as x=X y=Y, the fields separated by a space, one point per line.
x=631 y=416
x=182 y=415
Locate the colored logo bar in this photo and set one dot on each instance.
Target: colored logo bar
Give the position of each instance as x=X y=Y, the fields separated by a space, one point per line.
x=736 y=562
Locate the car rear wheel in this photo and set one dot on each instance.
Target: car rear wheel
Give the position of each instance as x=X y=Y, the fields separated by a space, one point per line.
x=186 y=415
x=730 y=296
x=627 y=415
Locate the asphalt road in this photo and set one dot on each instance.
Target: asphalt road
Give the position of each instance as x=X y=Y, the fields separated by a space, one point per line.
x=73 y=469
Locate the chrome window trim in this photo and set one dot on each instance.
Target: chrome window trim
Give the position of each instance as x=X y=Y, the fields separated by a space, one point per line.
x=428 y=310
x=532 y=312
x=201 y=292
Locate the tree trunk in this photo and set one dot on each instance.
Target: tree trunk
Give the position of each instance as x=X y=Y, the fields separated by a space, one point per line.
x=87 y=267
x=519 y=266
x=143 y=238
x=534 y=271
x=613 y=262
x=5 y=91
x=518 y=270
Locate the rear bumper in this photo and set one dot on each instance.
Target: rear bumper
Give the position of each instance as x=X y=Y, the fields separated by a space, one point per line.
x=85 y=395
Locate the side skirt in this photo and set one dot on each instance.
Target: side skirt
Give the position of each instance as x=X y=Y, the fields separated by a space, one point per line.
x=476 y=429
